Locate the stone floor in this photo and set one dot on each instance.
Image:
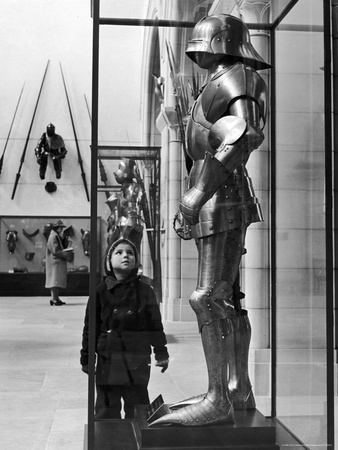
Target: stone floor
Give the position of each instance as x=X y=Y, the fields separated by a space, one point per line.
x=43 y=392
x=42 y=388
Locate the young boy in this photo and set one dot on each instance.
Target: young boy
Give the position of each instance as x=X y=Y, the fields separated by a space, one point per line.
x=128 y=326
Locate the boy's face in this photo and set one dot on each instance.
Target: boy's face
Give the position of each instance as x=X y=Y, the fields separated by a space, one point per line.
x=122 y=260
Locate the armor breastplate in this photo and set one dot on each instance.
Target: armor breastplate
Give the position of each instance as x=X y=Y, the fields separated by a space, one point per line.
x=55 y=142
x=213 y=102
x=234 y=204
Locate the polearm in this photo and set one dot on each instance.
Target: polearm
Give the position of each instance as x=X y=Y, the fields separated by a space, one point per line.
x=103 y=174
x=28 y=135
x=75 y=136
x=10 y=130
x=146 y=213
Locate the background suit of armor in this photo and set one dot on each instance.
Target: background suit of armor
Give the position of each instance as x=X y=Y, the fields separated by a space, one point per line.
x=126 y=220
x=53 y=146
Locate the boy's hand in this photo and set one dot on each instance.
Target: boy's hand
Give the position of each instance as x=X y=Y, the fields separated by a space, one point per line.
x=85 y=369
x=163 y=363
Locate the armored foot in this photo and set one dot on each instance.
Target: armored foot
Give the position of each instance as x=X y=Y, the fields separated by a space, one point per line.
x=240 y=401
x=188 y=401
x=199 y=414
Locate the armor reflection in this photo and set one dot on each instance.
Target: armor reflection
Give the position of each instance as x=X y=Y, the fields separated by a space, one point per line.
x=125 y=220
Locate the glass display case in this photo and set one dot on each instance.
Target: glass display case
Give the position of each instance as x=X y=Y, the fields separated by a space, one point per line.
x=140 y=66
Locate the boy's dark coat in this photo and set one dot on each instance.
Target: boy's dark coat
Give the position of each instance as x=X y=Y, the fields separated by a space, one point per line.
x=123 y=351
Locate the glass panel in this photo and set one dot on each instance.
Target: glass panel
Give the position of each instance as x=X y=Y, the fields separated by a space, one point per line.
x=300 y=246
x=132 y=114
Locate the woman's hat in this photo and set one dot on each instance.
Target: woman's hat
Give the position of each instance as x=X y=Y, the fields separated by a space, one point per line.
x=57 y=224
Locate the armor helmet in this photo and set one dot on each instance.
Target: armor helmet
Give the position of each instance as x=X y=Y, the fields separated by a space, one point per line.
x=223 y=34
x=126 y=170
x=50 y=129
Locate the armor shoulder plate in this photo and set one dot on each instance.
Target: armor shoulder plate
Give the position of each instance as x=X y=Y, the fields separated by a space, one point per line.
x=57 y=142
x=237 y=81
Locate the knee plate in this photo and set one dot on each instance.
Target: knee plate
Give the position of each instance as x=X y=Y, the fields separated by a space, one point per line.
x=213 y=303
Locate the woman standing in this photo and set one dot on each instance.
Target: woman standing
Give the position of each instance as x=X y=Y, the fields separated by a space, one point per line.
x=56 y=262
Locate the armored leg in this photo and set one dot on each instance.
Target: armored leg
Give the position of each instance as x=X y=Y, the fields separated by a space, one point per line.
x=239 y=383
x=214 y=320
x=43 y=166
x=57 y=167
x=225 y=349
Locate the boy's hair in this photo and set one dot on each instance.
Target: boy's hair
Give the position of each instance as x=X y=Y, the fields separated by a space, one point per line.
x=107 y=263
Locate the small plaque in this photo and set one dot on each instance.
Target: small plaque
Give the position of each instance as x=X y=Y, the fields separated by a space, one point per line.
x=156 y=409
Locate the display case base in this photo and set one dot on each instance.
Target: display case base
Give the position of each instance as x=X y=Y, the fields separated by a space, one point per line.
x=33 y=284
x=251 y=430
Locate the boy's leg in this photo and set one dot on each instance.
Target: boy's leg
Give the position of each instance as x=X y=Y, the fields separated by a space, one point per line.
x=134 y=395
x=108 y=402
x=137 y=393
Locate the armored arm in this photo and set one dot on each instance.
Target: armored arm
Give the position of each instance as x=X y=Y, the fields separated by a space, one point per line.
x=40 y=147
x=61 y=153
x=235 y=136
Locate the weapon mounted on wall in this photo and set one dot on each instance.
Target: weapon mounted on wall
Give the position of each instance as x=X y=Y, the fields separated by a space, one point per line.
x=10 y=130
x=75 y=136
x=28 y=135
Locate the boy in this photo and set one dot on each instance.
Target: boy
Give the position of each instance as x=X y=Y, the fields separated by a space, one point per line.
x=128 y=325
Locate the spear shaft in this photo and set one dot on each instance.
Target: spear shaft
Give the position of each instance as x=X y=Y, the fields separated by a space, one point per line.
x=75 y=136
x=10 y=130
x=28 y=135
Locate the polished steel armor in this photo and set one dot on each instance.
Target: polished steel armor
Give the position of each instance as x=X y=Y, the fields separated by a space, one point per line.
x=224 y=35
x=126 y=206
x=224 y=127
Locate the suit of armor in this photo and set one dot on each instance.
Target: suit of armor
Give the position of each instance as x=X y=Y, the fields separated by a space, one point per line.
x=125 y=220
x=224 y=127
x=50 y=144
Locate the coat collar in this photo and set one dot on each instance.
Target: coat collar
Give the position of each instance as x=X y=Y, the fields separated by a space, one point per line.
x=111 y=281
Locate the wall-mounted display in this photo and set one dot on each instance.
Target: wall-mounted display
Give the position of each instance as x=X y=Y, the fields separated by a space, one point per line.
x=23 y=251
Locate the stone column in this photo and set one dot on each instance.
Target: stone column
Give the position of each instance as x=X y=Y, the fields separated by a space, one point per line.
x=171 y=193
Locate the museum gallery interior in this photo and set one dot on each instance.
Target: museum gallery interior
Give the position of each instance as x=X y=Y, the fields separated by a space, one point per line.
x=167 y=225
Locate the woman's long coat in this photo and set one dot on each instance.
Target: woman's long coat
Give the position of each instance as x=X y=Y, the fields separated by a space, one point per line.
x=56 y=263
x=128 y=328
